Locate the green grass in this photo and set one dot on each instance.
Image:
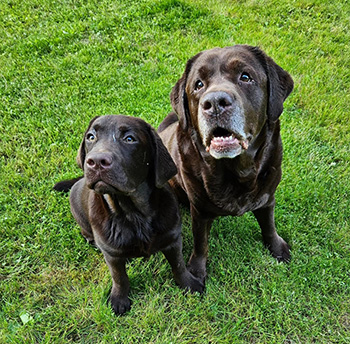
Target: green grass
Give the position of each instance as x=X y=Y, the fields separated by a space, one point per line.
x=63 y=62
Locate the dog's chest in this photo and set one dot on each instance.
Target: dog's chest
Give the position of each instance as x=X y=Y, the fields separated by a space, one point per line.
x=226 y=196
x=130 y=235
x=230 y=203
x=119 y=235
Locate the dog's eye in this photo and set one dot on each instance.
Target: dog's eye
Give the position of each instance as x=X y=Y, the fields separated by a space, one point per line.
x=90 y=137
x=198 y=85
x=129 y=139
x=245 y=77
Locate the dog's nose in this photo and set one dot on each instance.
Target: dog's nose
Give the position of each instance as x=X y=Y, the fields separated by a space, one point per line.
x=99 y=161
x=215 y=103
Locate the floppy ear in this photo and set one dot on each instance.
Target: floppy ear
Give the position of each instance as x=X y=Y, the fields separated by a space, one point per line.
x=280 y=84
x=178 y=96
x=164 y=166
x=82 y=152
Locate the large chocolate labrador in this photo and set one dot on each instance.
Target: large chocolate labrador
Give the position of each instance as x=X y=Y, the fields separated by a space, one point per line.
x=124 y=204
x=225 y=140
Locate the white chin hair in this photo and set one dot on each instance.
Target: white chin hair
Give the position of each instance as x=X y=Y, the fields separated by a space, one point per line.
x=230 y=154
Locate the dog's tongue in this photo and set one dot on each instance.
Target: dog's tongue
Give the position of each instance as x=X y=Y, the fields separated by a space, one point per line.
x=224 y=143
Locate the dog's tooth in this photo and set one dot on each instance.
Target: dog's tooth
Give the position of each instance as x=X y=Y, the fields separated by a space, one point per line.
x=244 y=144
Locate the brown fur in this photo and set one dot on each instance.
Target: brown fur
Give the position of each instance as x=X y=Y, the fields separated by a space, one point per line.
x=236 y=91
x=124 y=204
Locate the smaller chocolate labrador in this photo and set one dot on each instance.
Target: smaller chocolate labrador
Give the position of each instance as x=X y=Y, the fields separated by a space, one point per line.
x=124 y=204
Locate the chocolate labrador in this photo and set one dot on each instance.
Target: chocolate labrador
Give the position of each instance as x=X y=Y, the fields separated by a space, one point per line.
x=225 y=140
x=124 y=204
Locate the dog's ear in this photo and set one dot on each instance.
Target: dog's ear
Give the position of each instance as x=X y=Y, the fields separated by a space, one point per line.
x=81 y=154
x=280 y=84
x=82 y=151
x=163 y=164
x=178 y=96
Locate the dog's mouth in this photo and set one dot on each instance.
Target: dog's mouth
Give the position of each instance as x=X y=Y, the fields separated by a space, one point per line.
x=105 y=188
x=101 y=187
x=223 y=143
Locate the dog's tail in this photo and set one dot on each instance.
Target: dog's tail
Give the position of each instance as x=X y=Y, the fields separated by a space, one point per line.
x=66 y=185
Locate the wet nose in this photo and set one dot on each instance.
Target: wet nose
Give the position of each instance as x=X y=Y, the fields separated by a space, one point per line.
x=215 y=103
x=99 y=161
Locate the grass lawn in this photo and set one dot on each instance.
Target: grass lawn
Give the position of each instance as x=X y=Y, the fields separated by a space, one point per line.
x=63 y=62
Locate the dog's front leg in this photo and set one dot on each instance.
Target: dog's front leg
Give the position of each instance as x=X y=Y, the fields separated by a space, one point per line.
x=120 y=289
x=200 y=227
x=182 y=276
x=277 y=246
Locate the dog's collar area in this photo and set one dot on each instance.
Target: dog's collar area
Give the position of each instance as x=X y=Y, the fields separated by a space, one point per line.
x=111 y=204
x=137 y=200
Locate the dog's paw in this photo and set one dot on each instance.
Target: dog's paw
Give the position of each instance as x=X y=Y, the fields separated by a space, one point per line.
x=196 y=285
x=279 y=250
x=191 y=283
x=197 y=267
x=120 y=305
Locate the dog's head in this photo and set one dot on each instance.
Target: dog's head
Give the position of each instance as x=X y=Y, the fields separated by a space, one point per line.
x=227 y=95
x=118 y=153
